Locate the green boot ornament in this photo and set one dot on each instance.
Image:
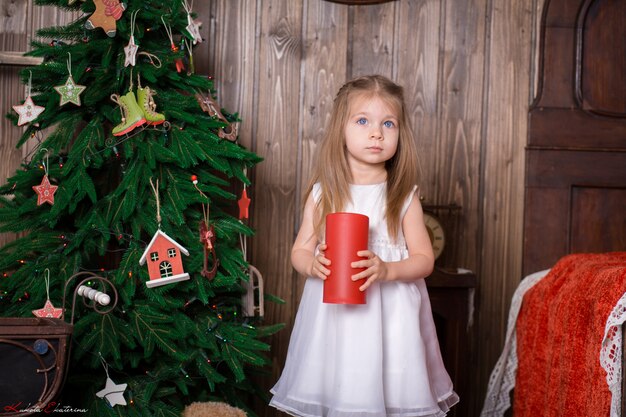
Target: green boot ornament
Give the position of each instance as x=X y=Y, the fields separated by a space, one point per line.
x=148 y=106
x=132 y=116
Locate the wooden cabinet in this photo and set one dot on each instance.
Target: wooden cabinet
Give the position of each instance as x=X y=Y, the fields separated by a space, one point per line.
x=576 y=154
x=452 y=301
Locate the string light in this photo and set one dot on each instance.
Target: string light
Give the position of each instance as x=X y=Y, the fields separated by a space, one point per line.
x=188 y=302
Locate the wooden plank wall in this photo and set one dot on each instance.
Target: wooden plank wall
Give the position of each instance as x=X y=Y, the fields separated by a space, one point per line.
x=468 y=68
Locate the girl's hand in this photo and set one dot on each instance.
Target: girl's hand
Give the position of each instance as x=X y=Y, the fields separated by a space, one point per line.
x=376 y=269
x=320 y=262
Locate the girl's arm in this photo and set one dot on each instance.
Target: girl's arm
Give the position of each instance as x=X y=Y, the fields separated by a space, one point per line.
x=420 y=262
x=303 y=256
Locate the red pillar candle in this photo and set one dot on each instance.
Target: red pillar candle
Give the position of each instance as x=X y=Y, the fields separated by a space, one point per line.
x=346 y=234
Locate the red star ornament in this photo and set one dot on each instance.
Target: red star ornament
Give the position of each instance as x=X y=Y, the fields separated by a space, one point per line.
x=45 y=191
x=244 y=204
x=48 y=311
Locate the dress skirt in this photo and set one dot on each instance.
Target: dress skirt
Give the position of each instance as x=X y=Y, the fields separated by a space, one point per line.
x=379 y=359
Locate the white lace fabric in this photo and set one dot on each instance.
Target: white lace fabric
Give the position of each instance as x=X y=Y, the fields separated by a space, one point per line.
x=502 y=379
x=611 y=353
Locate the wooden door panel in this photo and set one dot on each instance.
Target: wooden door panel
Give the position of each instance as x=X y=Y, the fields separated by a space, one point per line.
x=575 y=202
x=575 y=129
x=598 y=219
x=566 y=168
x=543 y=245
x=556 y=83
x=602 y=87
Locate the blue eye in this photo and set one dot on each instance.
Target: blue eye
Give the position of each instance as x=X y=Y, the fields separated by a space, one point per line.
x=361 y=121
x=389 y=124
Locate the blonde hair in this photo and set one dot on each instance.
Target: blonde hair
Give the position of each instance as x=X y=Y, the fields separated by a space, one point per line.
x=402 y=168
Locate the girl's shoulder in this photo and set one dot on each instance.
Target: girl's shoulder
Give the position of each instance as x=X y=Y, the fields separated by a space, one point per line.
x=316 y=191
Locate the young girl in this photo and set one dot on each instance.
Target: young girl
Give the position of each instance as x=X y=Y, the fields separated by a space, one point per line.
x=381 y=358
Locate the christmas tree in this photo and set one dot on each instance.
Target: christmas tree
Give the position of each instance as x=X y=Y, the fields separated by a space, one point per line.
x=136 y=179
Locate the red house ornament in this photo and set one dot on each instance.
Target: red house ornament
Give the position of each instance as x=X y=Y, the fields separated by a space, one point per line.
x=165 y=263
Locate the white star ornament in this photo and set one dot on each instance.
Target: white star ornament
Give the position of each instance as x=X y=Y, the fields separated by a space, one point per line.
x=113 y=393
x=193 y=27
x=130 y=51
x=28 y=111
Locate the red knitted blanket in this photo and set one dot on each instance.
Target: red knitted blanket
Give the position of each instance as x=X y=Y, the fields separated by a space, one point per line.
x=559 y=334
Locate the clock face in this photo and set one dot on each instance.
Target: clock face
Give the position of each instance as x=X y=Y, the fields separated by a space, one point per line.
x=436 y=233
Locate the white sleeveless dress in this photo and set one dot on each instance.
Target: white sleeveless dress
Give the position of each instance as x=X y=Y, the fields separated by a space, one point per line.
x=373 y=360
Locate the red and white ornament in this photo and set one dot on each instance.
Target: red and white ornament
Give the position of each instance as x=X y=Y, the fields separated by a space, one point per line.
x=45 y=191
x=163 y=254
x=165 y=263
x=48 y=310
